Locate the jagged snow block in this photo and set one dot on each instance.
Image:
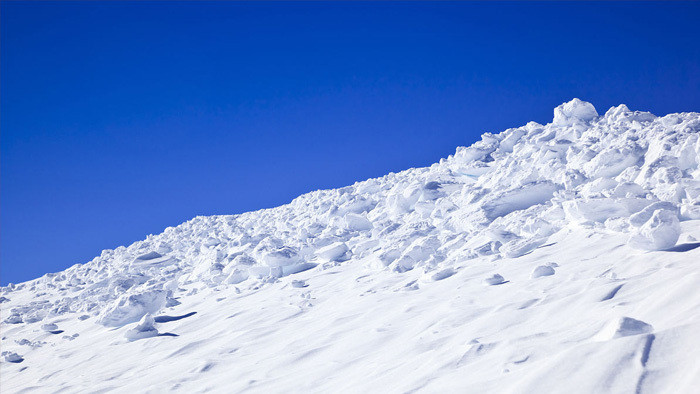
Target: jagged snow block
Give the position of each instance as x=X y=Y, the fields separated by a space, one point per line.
x=660 y=232
x=144 y=329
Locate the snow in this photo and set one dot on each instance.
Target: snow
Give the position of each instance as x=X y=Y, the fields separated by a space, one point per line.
x=436 y=279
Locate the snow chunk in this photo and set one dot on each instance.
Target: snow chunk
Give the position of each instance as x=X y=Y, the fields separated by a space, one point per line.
x=594 y=210
x=49 y=327
x=334 y=252
x=144 y=329
x=130 y=308
x=519 y=198
x=14 y=318
x=623 y=327
x=442 y=274
x=611 y=162
x=495 y=279
x=149 y=256
x=357 y=222
x=298 y=283
x=236 y=276
x=574 y=111
x=660 y=232
x=12 y=357
x=638 y=219
x=281 y=257
x=521 y=246
x=542 y=270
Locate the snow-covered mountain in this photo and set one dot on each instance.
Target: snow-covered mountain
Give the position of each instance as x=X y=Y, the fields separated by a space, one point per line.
x=547 y=258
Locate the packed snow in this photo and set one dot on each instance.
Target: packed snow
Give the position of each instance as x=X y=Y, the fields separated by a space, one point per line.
x=546 y=258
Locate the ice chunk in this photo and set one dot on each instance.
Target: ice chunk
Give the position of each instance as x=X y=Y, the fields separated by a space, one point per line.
x=573 y=111
x=660 y=232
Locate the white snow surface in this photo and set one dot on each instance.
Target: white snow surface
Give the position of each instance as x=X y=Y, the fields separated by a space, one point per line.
x=546 y=258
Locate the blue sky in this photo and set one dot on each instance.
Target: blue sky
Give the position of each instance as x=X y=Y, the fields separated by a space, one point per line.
x=120 y=119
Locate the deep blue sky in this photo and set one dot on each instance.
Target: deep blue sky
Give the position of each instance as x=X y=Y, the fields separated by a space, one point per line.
x=120 y=119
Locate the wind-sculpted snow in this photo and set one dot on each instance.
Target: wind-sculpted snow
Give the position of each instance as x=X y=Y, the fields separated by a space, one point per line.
x=503 y=201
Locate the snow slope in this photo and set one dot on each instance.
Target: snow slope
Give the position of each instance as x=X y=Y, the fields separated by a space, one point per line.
x=546 y=258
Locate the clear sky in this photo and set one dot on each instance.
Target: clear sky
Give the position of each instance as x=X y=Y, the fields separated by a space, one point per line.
x=120 y=119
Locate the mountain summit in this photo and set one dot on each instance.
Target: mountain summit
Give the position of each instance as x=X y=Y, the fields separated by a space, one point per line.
x=546 y=258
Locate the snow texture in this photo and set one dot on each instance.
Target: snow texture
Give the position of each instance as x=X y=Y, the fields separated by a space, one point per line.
x=429 y=280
